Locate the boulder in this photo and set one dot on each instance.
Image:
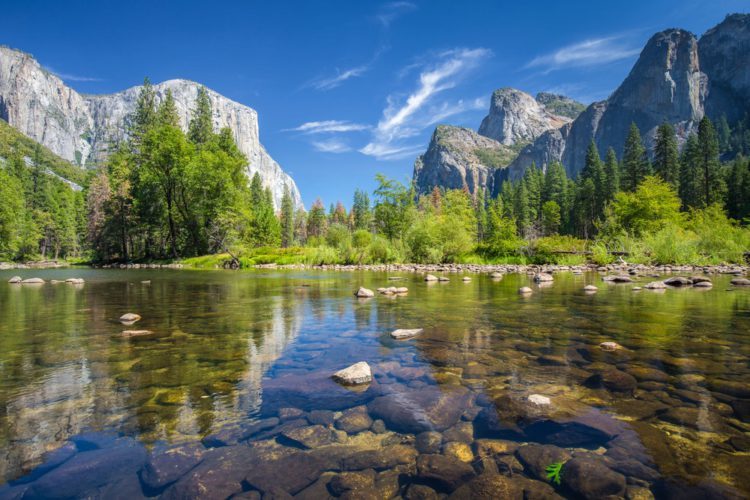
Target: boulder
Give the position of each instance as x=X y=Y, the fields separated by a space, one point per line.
x=735 y=282
x=430 y=277
x=418 y=410
x=447 y=473
x=524 y=290
x=15 y=280
x=678 y=281
x=164 y=468
x=32 y=281
x=489 y=486
x=356 y=374
x=656 y=285
x=590 y=479
x=364 y=293
x=402 y=334
x=543 y=278
x=129 y=318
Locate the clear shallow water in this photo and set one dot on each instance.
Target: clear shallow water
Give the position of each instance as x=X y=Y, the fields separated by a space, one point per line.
x=232 y=349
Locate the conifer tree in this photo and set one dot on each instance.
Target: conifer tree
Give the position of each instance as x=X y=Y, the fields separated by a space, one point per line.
x=361 y=210
x=201 y=129
x=612 y=175
x=666 y=156
x=594 y=170
x=712 y=181
x=635 y=166
x=166 y=114
x=287 y=219
x=690 y=176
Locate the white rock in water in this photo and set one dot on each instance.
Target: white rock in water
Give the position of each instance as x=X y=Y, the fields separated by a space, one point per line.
x=402 y=334
x=524 y=290
x=656 y=285
x=540 y=400
x=402 y=289
x=590 y=288
x=33 y=281
x=466 y=279
x=136 y=333
x=430 y=277
x=496 y=275
x=129 y=318
x=443 y=278
x=15 y=279
x=74 y=281
x=358 y=373
x=364 y=292
x=543 y=278
x=610 y=346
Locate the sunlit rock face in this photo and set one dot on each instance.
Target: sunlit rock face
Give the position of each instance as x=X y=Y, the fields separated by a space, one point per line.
x=83 y=128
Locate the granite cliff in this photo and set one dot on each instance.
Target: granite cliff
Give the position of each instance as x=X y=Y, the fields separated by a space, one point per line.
x=82 y=128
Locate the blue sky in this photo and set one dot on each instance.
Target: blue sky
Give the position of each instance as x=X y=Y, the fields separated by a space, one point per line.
x=347 y=89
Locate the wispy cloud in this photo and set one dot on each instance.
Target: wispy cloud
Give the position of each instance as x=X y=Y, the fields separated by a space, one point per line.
x=340 y=77
x=405 y=118
x=331 y=146
x=392 y=11
x=590 y=52
x=328 y=126
x=72 y=78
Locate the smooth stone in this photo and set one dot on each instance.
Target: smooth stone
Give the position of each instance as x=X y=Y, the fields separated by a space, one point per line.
x=384 y=458
x=609 y=346
x=291 y=473
x=136 y=333
x=703 y=284
x=447 y=473
x=15 y=279
x=646 y=374
x=621 y=278
x=75 y=281
x=613 y=380
x=591 y=480
x=428 y=442
x=316 y=491
x=363 y=292
x=356 y=374
x=32 y=281
x=655 y=285
x=234 y=434
x=402 y=334
x=730 y=387
x=458 y=450
x=354 y=420
x=678 y=281
x=692 y=417
x=419 y=410
x=462 y=432
x=86 y=473
x=351 y=481
x=539 y=400
x=543 y=278
x=443 y=279
x=430 y=277
x=740 y=282
x=165 y=468
x=536 y=457
x=489 y=486
x=417 y=491
x=129 y=318
x=590 y=288
x=313 y=436
x=465 y=279
x=321 y=417
x=524 y=290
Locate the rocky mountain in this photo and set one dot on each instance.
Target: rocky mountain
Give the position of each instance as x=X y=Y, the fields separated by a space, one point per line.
x=516 y=117
x=82 y=128
x=458 y=157
x=677 y=78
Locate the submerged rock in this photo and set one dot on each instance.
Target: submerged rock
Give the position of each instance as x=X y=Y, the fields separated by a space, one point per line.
x=591 y=479
x=420 y=410
x=383 y=458
x=524 y=290
x=312 y=436
x=428 y=442
x=447 y=473
x=402 y=334
x=535 y=458
x=354 y=420
x=163 y=469
x=490 y=486
x=356 y=374
x=614 y=380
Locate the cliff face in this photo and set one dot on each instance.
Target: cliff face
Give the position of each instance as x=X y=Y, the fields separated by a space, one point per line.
x=82 y=129
x=515 y=117
x=458 y=157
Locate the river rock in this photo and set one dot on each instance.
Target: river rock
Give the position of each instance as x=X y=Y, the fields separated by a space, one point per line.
x=426 y=409
x=321 y=417
x=363 y=293
x=609 y=346
x=162 y=469
x=129 y=318
x=695 y=418
x=740 y=282
x=443 y=279
x=620 y=278
x=379 y=459
x=590 y=288
x=447 y=473
x=403 y=334
x=466 y=279
x=524 y=290
x=489 y=486
x=75 y=281
x=496 y=275
x=458 y=450
x=678 y=281
x=741 y=409
x=233 y=434
x=539 y=400
x=655 y=285
x=354 y=420
x=614 y=380
x=312 y=436
x=428 y=442
x=543 y=278
x=536 y=457
x=136 y=333
x=86 y=473
x=292 y=473
x=703 y=284
x=15 y=279
x=430 y=277
x=312 y=391
x=32 y=281
x=700 y=279
x=591 y=479
x=351 y=481
x=417 y=491
x=356 y=374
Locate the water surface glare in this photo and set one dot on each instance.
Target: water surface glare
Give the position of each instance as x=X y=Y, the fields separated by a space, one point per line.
x=230 y=352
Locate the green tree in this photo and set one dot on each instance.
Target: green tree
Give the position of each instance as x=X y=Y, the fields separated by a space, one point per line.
x=550 y=218
x=393 y=207
x=710 y=166
x=316 y=220
x=612 y=175
x=594 y=169
x=361 y=210
x=201 y=129
x=666 y=155
x=652 y=206
x=634 y=161
x=166 y=113
x=287 y=219
x=690 y=176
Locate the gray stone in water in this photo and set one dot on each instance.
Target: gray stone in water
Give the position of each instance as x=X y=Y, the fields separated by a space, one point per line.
x=356 y=374
x=740 y=282
x=678 y=281
x=32 y=281
x=703 y=284
x=466 y=279
x=312 y=436
x=656 y=285
x=164 y=468
x=609 y=346
x=129 y=318
x=590 y=288
x=496 y=276
x=591 y=479
x=430 y=277
x=447 y=472
x=491 y=485
x=15 y=280
x=128 y=334
x=402 y=334
x=354 y=420
x=429 y=442
x=383 y=458
x=443 y=278
x=543 y=278
x=524 y=290
x=363 y=292
x=75 y=281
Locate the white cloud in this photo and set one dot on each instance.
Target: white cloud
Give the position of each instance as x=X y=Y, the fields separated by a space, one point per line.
x=328 y=126
x=340 y=78
x=331 y=146
x=586 y=53
x=392 y=11
x=73 y=78
x=404 y=118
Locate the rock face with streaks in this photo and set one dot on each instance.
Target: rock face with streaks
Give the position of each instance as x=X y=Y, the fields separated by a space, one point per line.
x=83 y=128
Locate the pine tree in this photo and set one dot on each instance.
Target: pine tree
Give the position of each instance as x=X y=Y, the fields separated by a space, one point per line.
x=594 y=170
x=201 y=129
x=712 y=182
x=481 y=213
x=635 y=164
x=612 y=175
x=361 y=210
x=144 y=116
x=316 y=220
x=166 y=114
x=287 y=219
x=690 y=176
